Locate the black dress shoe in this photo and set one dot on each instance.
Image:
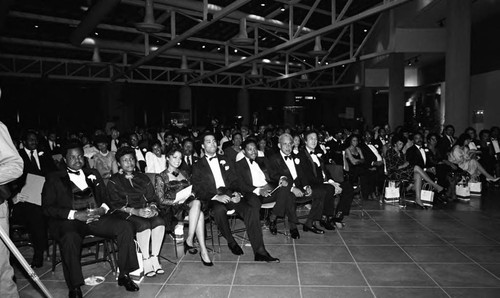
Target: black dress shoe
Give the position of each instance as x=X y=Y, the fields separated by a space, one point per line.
x=128 y=283
x=208 y=264
x=313 y=229
x=266 y=258
x=235 y=249
x=37 y=261
x=326 y=224
x=192 y=250
x=272 y=227
x=294 y=233
x=75 y=293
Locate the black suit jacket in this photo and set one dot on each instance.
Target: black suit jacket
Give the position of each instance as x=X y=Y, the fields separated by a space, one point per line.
x=188 y=168
x=335 y=151
x=245 y=175
x=444 y=145
x=204 y=182
x=414 y=157
x=47 y=165
x=278 y=168
x=312 y=172
x=57 y=197
x=368 y=154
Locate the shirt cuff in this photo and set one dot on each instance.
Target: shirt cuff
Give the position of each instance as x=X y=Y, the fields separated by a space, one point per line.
x=256 y=191
x=105 y=207
x=71 y=214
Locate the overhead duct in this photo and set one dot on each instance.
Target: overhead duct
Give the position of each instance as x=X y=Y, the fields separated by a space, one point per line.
x=94 y=16
x=96 y=57
x=242 y=38
x=149 y=25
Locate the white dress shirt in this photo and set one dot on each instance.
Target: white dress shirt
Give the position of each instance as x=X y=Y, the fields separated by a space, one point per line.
x=81 y=182
x=258 y=176
x=291 y=166
x=214 y=166
x=375 y=151
x=422 y=152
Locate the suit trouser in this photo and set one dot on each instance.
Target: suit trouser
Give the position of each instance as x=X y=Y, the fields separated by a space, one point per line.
x=346 y=198
x=285 y=204
x=31 y=215
x=329 y=198
x=70 y=234
x=319 y=193
x=248 y=208
x=8 y=287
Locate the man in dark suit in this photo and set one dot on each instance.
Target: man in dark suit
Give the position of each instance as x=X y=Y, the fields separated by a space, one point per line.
x=215 y=182
x=76 y=202
x=446 y=142
x=417 y=156
x=286 y=164
x=255 y=181
x=189 y=158
x=374 y=160
x=315 y=170
x=335 y=148
x=53 y=145
x=140 y=152
x=39 y=163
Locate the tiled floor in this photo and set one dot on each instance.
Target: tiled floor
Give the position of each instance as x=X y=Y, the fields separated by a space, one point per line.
x=383 y=251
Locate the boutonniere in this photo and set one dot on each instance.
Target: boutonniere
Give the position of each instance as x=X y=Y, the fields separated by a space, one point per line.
x=222 y=162
x=226 y=168
x=319 y=154
x=327 y=148
x=144 y=150
x=376 y=146
x=488 y=143
x=92 y=177
x=478 y=146
x=40 y=153
x=297 y=161
x=426 y=150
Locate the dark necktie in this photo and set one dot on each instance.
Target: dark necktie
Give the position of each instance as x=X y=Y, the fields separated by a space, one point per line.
x=74 y=172
x=33 y=160
x=210 y=158
x=189 y=160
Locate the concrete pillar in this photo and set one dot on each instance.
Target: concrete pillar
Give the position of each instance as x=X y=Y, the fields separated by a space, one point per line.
x=396 y=89
x=185 y=101
x=367 y=106
x=458 y=30
x=243 y=108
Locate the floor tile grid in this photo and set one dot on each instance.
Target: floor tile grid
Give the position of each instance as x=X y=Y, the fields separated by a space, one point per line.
x=356 y=262
x=170 y=275
x=297 y=267
x=459 y=250
x=472 y=228
x=39 y=276
x=409 y=256
x=236 y=268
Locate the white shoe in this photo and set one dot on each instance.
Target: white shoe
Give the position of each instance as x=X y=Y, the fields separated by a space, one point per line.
x=156 y=265
x=148 y=268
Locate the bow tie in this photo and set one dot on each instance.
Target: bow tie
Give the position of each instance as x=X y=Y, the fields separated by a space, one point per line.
x=288 y=157
x=312 y=153
x=251 y=161
x=210 y=158
x=73 y=172
x=175 y=173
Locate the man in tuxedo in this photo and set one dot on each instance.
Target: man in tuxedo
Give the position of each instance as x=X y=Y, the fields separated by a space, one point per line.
x=255 y=181
x=39 y=163
x=417 y=156
x=53 y=145
x=286 y=164
x=139 y=152
x=446 y=142
x=76 y=202
x=215 y=182
x=381 y=140
x=335 y=147
x=189 y=157
x=114 y=142
x=315 y=170
x=374 y=160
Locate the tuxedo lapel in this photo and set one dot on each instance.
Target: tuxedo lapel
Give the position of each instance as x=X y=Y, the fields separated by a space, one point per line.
x=312 y=164
x=206 y=166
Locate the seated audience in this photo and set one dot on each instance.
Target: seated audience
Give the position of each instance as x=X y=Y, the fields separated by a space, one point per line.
x=104 y=160
x=76 y=202
x=155 y=160
x=358 y=169
x=132 y=198
x=168 y=184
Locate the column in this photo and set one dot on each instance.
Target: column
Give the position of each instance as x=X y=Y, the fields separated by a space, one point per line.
x=367 y=106
x=396 y=89
x=243 y=108
x=185 y=101
x=458 y=28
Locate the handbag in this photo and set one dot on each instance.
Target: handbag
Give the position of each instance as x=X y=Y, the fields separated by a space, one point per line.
x=475 y=188
x=463 y=192
x=427 y=197
x=138 y=274
x=391 y=192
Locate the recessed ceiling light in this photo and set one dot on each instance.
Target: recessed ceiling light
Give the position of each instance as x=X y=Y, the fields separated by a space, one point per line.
x=178 y=43
x=96 y=33
x=365 y=30
x=203 y=46
x=263 y=4
x=36 y=26
x=218 y=49
x=235 y=50
x=282 y=9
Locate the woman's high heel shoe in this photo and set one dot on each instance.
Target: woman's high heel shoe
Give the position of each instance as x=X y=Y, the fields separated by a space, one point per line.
x=208 y=264
x=192 y=250
x=156 y=265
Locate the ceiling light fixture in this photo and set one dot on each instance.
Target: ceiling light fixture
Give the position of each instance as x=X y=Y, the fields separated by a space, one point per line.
x=184 y=66
x=318 y=49
x=149 y=25
x=242 y=38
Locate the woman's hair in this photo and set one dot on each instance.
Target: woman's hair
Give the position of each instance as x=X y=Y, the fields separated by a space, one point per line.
x=101 y=139
x=173 y=150
x=349 y=139
x=397 y=138
x=431 y=135
x=122 y=151
x=462 y=138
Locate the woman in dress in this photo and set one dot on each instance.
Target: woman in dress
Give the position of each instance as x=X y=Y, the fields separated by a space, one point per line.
x=359 y=169
x=399 y=169
x=232 y=151
x=155 y=161
x=168 y=184
x=132 y=197
x=104 y=160
x=460 y=155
